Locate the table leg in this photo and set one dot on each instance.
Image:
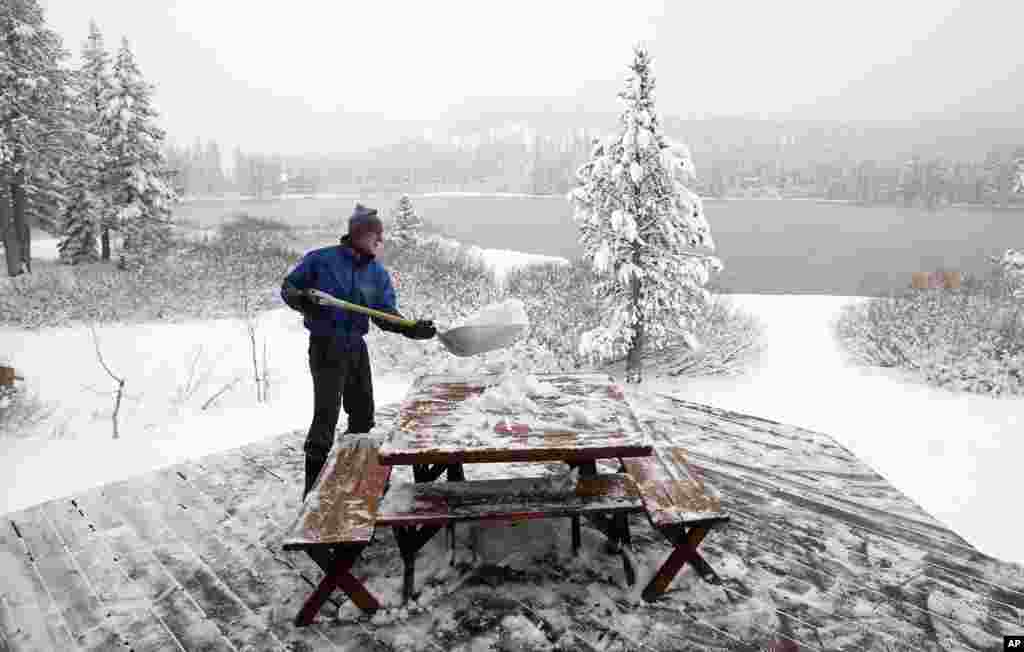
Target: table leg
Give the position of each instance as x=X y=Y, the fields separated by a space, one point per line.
x=337 y=576
x=410 y=540
x=685 y=552
x=456 y=473
x=575 y=535
x=428 y=472
x=588 y=468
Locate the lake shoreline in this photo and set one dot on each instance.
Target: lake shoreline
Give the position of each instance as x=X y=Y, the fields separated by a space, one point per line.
x=795 y=246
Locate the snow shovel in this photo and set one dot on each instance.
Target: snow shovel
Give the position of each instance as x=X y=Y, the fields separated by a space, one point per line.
x=462 y=341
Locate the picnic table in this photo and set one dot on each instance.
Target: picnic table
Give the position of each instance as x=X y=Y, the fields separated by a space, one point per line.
x=440 y=429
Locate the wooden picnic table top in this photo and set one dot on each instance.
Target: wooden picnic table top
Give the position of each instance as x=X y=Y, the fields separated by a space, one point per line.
x=442 y=421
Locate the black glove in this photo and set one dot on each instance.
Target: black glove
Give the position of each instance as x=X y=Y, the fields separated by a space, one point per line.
x=423 y=329
x=299 y=299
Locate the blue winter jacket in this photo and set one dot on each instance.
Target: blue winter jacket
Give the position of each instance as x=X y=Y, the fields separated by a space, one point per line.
x=346 y=275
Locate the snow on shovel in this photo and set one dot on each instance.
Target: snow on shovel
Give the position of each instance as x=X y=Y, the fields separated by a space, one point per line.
x=462 y=341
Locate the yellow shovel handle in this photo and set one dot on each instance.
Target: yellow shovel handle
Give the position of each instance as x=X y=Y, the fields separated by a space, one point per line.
x=325 y=299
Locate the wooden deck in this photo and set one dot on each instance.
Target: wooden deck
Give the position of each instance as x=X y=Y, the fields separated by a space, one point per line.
x=821 y=551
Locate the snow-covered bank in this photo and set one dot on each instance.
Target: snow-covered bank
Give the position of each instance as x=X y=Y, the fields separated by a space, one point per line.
x=955 y=454
x=75 y=449
x=499 y=195
x=500 y=261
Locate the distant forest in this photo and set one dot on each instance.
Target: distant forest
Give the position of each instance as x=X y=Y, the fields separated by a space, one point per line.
x=927 y=163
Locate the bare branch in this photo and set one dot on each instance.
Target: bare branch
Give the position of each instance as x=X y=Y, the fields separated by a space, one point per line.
x=120 y=382
x=213 y=398
x=99 y=354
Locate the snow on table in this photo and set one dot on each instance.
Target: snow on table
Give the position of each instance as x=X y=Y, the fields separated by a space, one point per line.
x=507 y=418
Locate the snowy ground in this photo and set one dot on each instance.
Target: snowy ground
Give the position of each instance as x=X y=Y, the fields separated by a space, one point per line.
x=954 y=454
x=44 y=248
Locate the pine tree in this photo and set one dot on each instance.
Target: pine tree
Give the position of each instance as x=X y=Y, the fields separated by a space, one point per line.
x=640 y=227
x=408 y=225
x=1017 y=186
x=34 y=125
x=142 y=192
x=87 y=218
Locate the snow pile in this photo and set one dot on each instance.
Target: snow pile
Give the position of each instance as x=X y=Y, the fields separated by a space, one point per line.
x=45 y=249
x=563 y=482
x=499 y=261
x=578 y=417
x=510 y=312
x=513 y=394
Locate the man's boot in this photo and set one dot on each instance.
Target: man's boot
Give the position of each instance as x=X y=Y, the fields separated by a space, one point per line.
x=313 y=466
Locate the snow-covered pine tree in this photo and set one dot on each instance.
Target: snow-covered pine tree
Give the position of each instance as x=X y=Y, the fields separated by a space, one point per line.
x=643 y=231
x=87 y=217
x=33 y=124
x=408 y=225
x=138 y=175
x=1017 y=187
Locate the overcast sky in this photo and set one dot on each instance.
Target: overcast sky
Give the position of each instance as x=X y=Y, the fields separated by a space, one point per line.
x=317 y=76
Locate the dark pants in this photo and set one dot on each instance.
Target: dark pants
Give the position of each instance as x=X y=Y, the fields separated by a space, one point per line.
x=341 y=378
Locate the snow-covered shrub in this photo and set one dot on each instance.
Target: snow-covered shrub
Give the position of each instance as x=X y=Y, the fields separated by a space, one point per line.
x=197 y=280
x=727 y=339
x=20 y=410
x=433 y=281
x=970 y=339
x=41 y=298
x=562 y=308
x=1010 y=266
x=254 y=233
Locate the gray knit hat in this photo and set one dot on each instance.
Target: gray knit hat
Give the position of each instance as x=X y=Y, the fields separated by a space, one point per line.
x=363 y=220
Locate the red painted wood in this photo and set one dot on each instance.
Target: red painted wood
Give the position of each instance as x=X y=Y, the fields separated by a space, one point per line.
x=339 y=576
x=341 y=507
x=437 y=424
x=685 y=551
x=504 y=428
x=672 y=494
x=513 y=499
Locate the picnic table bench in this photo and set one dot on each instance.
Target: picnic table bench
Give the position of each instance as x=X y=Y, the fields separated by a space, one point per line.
x=352 y=496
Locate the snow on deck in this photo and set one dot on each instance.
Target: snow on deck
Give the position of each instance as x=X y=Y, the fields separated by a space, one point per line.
x=821 y=550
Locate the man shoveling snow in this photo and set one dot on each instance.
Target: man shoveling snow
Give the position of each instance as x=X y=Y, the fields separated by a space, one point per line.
x=338 y=358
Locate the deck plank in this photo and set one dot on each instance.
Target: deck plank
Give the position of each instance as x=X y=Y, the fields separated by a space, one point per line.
x=829 y=545
x=130 y=619
x=265 y=524
x=32 y=620
x=854 y=496
x=246 y=564
x=199 y=529
x=138 y=630
x=260 y=521
x=102 y=517
x=798 y=452
x=153 y=583
x=242 y=627
x=190 y=625
x=67 y=519
x=78 y=602
x=818 y=606
x=871 y=555
x=218 y=603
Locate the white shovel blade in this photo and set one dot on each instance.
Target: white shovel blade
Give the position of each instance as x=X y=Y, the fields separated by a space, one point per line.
x=470 y=340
